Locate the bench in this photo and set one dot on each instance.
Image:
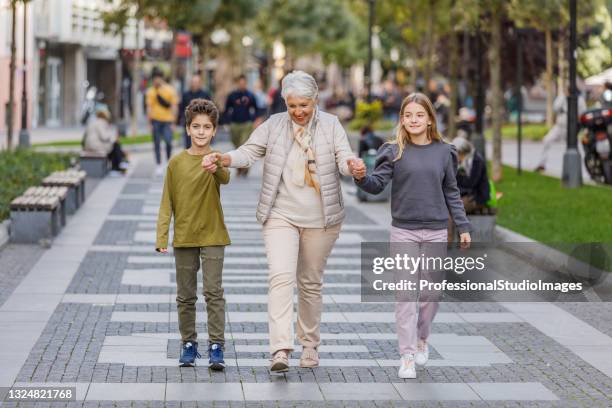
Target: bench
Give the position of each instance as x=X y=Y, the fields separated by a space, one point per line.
x=59 y=192
x=96 y=165
x=74 y=180
x=35 y=219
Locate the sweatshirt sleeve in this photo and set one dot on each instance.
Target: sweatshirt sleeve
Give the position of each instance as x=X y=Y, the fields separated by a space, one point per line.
x=451 y=193
x=376 y=182
x=253 y=149
x=165 y=213
x=222 y=175
x=343 y=148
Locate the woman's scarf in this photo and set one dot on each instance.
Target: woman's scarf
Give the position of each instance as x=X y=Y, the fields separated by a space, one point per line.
x=305 y=167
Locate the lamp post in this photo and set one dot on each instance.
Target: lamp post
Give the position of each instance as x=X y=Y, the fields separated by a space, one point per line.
x=519 y=96
x=478 y=139
x=572 y=166
x=368 y=68
x=24 y=135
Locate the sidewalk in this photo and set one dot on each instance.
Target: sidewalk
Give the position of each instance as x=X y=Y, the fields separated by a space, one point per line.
x=530 y=157
x=97 y=312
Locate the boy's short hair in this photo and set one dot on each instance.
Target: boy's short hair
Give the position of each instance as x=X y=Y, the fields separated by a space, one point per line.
x=201 y=106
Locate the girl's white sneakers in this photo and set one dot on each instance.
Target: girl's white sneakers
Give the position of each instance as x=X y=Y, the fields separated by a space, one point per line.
x=422 y=354
x=407 y=368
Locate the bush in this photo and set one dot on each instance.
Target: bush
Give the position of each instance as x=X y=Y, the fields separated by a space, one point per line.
x=25 y=168
x=369 y=114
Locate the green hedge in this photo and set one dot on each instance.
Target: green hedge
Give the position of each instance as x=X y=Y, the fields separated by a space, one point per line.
x=24 y=168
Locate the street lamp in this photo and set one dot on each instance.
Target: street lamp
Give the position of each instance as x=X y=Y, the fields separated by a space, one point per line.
x=368 y=68
x=572 y=166
x=24 y=135
x=478 y=139
x=519 y=95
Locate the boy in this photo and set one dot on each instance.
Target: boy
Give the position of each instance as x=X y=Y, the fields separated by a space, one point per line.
x=192 y=196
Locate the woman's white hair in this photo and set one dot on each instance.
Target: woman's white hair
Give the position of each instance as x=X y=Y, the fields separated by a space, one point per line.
x=463 y=145
x=299 y=84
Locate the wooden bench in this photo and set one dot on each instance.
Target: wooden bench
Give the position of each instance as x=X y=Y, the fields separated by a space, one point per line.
x=35 y=219
x=94 y=164
x=74 y=180
x=59 y=192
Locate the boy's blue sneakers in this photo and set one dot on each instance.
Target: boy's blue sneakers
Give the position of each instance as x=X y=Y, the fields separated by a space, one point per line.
x=215 y=357
x=189 y=354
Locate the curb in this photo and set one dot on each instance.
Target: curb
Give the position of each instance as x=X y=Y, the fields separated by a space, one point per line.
x=549 y=258
x=4 y=232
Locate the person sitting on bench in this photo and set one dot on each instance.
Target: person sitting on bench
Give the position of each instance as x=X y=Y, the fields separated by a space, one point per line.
x=100 y=139
x=472 y=177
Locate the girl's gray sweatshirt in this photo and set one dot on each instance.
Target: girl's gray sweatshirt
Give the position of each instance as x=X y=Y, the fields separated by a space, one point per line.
x=424 y=188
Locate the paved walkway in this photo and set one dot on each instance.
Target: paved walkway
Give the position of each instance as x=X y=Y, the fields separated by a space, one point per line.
x=530 y=157
x=97 y=312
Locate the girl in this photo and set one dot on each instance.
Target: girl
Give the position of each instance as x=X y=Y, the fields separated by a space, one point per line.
x=422 y=167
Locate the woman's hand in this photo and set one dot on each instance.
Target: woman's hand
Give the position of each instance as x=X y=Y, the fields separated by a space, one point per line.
x=357 y=168
x=209 y=162
x=162 y=250
x=465 y=239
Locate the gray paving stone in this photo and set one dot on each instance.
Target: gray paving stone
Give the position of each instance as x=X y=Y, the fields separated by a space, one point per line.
x=513 y=391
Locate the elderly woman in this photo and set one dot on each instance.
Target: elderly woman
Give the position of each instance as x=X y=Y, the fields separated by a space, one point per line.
x=300 y=207
x=101 y=139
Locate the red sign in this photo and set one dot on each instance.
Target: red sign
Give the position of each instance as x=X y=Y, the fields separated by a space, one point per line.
x=183 y=45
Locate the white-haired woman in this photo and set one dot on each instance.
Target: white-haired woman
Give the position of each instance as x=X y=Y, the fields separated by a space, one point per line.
x=300 y=207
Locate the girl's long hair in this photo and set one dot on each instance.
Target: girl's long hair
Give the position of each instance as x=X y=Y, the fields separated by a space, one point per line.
x=402 y=137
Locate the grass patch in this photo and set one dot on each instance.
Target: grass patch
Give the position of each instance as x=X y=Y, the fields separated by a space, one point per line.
x=125 y=141
x=538 y=207
x=25 y=168
x=530 y=131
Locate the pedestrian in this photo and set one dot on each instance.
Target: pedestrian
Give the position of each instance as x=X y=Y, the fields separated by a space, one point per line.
x=300 y=207
x=559 y=130
x=240 y=113
x=192 y=197
x=195 y=92
x=101 y=139
x=261 y=101
x=369 y=140
x=422 y=167
x=472 y=178
x=162 y=102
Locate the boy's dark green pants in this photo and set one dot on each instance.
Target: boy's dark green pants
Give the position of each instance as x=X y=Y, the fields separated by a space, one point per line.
x=187 y=262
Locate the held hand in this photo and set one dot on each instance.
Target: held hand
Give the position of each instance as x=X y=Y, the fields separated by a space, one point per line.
x=209 y=162
x=465 y=240
x=162 y=250
x=357 y=168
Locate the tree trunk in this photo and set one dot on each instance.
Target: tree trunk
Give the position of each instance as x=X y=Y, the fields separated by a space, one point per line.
x=11 y=102
x=135 y=83
x=453 y=82
x=429 y=43
x=173 y=59
x=549 y=79
x=223 y=76
x=496 y=90
x=561 y=83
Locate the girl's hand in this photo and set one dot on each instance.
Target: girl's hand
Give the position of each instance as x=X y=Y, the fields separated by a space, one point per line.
x=465 y=240
x=209 y=162
x=356 y=168
x=162 y=250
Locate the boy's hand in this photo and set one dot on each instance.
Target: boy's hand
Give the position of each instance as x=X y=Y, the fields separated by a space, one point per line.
x=209 y=162
x=162 y=250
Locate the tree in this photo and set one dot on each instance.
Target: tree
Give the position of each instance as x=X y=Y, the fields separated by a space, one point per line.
x=11 y=103
x=325 y=27
x=497 y=12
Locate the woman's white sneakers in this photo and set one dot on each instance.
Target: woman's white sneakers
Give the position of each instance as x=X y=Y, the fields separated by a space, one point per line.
x=422 y=354
x=407 y=368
